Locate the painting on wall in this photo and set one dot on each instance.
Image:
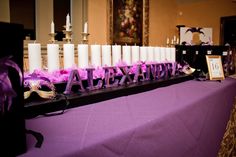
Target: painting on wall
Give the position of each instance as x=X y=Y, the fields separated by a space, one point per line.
x=128 y=22
x=195 y=36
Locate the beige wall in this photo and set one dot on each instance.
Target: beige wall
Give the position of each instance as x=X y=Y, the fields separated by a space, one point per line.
x=162 y=21
x=44 y=17
x=97 y=21
x=76 y=22
x=4 y=11
x=206 y=14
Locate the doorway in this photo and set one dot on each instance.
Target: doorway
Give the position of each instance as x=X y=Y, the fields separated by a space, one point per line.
x=228 y=36
x=228 y=30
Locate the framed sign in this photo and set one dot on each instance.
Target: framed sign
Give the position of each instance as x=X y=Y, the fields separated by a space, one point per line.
x=128 y=22
x=215 y=68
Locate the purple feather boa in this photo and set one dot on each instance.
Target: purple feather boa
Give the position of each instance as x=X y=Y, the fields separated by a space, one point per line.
x=6 y=90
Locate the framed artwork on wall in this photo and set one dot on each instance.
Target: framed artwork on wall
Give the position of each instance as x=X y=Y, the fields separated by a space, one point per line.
x=128 y=22
x=196 y=36
x=215 y=67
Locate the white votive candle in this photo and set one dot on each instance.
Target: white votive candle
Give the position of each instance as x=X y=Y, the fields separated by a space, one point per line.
x=143 y=53
x=35 y=60
x=96 y=55
x=150 y=54
x=126 y=54
x=69 y=57
x=53 y=57
x=116 y=54
x=135 y=54
x=83 y=56
x=157 y=54
x=106 y=55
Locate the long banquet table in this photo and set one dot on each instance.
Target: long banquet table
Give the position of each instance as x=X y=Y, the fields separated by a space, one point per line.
x=182 y=120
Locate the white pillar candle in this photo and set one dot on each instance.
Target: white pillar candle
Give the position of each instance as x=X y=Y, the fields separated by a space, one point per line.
x=116 y=54
x=106 y=55
x=34 y=53
x=135 y=54
x=163 y=54
x=95 y=55
x=53 y=57
x=168 y=53
x=83 y=56
x=157 y=54
x=69 y=57
x=52 y=28
x=126 y=54
x=143 y=53
x=86 y=27
x=150 y=56
x=173 y=54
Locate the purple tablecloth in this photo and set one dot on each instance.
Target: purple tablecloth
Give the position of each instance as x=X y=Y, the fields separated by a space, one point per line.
x=182 y=120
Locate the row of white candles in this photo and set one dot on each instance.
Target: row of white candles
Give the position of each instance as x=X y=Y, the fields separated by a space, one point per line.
x=101 y=55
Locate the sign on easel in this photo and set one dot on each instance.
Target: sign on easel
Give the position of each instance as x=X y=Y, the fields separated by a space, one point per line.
x=215 y=67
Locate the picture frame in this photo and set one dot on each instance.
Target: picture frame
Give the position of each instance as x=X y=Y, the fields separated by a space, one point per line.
x=215 y=68
x=128 y=22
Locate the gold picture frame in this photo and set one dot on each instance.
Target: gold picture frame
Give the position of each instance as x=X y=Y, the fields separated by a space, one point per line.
x=134 y=28
x=215 y=67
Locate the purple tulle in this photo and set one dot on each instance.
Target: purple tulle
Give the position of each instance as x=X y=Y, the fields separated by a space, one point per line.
x=60 y=76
